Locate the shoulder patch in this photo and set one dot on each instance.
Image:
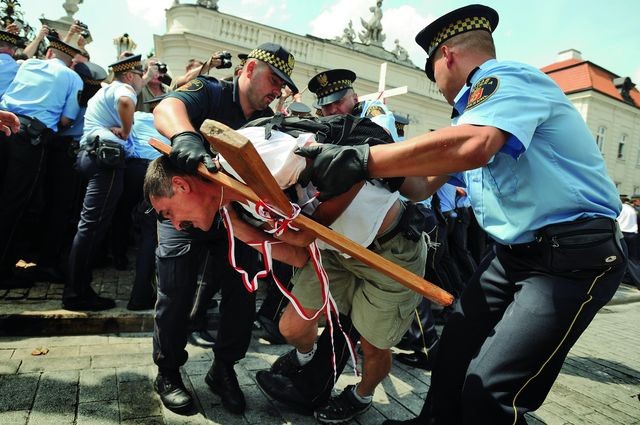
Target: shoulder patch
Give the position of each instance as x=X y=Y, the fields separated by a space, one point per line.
x=374 y=111
x=193 y=85
x=482 y=91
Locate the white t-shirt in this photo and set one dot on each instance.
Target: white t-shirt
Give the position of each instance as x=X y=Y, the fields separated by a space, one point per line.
x=362 y=219
x=628 y=219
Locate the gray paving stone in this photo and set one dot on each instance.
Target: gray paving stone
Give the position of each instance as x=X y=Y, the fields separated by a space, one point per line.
x=98 y=385
x=156 y=420
x=113 y=360
x=56 y=398
x=138 y=400
x=98 y=413
x=59 y=351
x=49 y=364
x=18 y=391
x=111 y=349
x=9 y=366
x=6 y=353
x=16 y=417
x=136 y=373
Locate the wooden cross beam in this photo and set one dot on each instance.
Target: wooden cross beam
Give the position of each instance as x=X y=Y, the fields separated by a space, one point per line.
x=245 y=160
x=383 y=94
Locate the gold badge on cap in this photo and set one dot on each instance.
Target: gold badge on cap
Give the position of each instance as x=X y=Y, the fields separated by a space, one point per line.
x=291 y=61
x=323 y=80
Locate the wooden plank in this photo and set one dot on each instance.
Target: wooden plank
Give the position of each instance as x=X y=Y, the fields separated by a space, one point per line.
x=338 y=241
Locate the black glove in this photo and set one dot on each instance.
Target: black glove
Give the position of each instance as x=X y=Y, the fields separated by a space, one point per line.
x=188 y=150
x=335 y=169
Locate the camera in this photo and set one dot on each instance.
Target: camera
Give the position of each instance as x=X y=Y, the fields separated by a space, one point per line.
x=85 y=29
x=162 y=67
x=225 y=60
x=53 y=33
x=162 y=71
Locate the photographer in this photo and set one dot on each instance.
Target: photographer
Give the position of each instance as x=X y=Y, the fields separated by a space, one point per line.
x=195 y=67
x=156 y=83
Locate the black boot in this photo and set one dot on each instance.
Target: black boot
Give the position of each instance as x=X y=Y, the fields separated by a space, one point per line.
x=281 y=388
x=173 y=393
x=223 y=381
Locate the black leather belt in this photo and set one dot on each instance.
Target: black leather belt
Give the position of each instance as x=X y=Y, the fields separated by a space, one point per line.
x=523 y=248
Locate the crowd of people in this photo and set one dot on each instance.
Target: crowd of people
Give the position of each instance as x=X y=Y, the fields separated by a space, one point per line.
x=512 y=213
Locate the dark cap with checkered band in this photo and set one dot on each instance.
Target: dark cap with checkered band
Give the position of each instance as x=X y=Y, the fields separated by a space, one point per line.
x=332 y=85
x=10 y=38
x=469 y=18
x=279 y=60
x=128 y=63
x=56 y=43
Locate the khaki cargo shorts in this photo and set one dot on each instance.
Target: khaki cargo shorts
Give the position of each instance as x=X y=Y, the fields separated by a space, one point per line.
x=380 y=308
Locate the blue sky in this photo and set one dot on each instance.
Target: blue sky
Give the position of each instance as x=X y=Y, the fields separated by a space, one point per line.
x=607 y=33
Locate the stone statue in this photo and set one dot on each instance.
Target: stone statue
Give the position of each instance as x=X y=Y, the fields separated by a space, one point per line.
x=124 y=43
x=400 y=52
x=373 y=29
x=348 y=34
x=209 y=4
x=71 y=7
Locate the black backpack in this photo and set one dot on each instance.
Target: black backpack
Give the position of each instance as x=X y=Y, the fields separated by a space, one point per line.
x=334 y=129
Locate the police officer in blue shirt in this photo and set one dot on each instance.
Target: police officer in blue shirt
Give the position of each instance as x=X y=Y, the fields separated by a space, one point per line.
x=8 y=65
x=63 y=186
x=539 y=187
x=103 y=150
x=44 y=95
x=267 y=70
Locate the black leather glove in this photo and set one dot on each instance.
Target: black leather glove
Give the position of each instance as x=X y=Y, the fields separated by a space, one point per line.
x=335 y=169
x=188 y=150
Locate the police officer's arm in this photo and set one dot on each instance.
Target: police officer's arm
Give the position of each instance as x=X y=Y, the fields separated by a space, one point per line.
x=32 y=47
x=420 y=188
x=170 y=117
x=126 y=108
x=436 y=153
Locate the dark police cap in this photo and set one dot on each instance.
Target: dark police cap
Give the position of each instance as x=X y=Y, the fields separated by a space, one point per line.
x=465 y=19
x=56 y=43
x=90 y=73
x=331 y=85
x=279 y=60
x=129 y=63
x=10 y=38
x=299 y=109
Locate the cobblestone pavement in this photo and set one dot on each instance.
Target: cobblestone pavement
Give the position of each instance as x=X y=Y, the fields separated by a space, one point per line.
x=107 y=379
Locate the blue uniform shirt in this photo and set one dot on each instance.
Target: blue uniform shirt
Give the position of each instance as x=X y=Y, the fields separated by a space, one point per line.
x=102 y=114
x=8 y=69
x=46 y=90
x=549 y=170
x=143 y=130
x=447 y=195
x=75 y=130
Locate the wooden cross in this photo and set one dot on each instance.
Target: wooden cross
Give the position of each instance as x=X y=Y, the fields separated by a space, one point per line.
x=383 y=94
x=240 y=153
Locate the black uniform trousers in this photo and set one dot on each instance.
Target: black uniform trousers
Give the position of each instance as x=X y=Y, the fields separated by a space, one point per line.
x=179 y=258
x=503 y=347
x=458 y=244
x=23 y=159
x=104 y=188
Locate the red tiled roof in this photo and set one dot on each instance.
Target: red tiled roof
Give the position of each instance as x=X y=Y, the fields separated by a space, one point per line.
x=575 y=75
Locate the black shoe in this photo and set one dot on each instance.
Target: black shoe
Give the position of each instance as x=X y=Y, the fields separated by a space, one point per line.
x=271 y=329
x=88 y=303
x=415 y=359
x=287 y=364
x=202 y=338
x=281 y=388
x=139 y=306
x=223 y=381
x=173 y=393
x=341 y=408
